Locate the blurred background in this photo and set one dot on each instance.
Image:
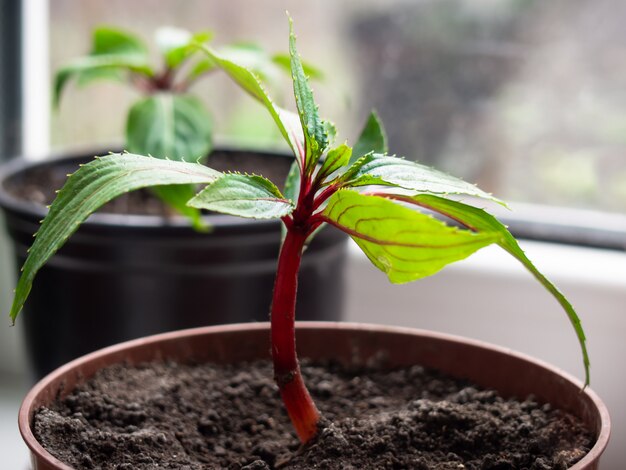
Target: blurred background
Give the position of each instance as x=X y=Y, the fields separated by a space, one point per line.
x=527 y=98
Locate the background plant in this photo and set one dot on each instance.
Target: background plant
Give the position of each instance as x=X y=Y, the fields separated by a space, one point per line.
x=169 y=121
x=360 y=190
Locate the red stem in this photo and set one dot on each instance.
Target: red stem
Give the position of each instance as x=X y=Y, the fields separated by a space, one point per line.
x=142 y=83
x=184 y=85
x=299 y=404
x=300 y=224
x=165 y=80
x=324 y=195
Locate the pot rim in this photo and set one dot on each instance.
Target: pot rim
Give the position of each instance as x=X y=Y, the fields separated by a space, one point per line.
x=136 y=221
x=36 y=448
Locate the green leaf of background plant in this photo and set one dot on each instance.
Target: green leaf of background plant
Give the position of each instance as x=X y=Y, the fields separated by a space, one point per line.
x=177 y=196
x=201 y=67
x=164 y=125
x=90 y=187
x=113 y=51
x=403 y=243
x=315 y=137
x=481 y=221
x=372 y=139
x=284 y=61
x=253 y=58
x=107 y=40
x=168 y=39
x=100 y=66
x=248 y=196
x=251 y=83
x=177 y=127
x=174 y=43
x=112 y=42
x=376 y=169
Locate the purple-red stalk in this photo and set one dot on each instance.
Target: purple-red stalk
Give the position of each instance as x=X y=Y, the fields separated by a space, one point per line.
x=299 y=404
x=300 y=224
x=164 y=81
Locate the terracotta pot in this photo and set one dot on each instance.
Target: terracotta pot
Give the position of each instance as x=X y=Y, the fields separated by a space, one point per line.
x=132 y=272
x=490 y=366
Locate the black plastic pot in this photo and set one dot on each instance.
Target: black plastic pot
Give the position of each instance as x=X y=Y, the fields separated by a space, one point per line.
x=123 y=276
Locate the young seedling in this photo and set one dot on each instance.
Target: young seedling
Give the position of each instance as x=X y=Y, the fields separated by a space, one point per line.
x=168 y=121
x=360 y=190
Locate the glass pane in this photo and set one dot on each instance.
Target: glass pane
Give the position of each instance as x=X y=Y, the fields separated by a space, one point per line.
x=524 y=97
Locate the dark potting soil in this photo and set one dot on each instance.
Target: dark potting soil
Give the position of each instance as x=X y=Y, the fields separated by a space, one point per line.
x=39 y=184
x=172 y=416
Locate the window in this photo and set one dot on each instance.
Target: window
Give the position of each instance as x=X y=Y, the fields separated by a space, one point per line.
x=525 y=98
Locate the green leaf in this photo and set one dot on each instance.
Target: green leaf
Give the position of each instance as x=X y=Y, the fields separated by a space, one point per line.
x=404 y=243
x=177 y=127
x=284 y=61
x=91 y=186
x=331 y=131
x=177 y=196
x=247 y=55
x=291 y=190
x=98 y=66
x=253 y=58
x=201 y=67
x=376 y=169
x=164 y=125
x=112 y=52
x=250 y=83
x=244 y=196
x=315 y=137
x=169 y=38
x=481 y=221
x=335 y=159
x=107 y=40
x=174 y=43
x=292 y=182
x=112 y=74
x=373 y=138
x=200 y=38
